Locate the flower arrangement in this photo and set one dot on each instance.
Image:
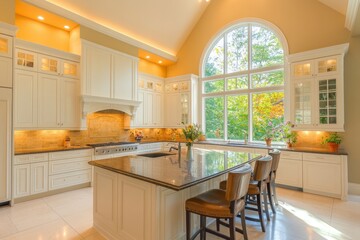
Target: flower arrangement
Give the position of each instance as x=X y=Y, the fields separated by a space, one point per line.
x=288 y=135
x=270 y=130
x=138 y=135
x=191 y=132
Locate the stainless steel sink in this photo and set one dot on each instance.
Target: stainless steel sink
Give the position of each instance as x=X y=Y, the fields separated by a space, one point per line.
x=155 y=155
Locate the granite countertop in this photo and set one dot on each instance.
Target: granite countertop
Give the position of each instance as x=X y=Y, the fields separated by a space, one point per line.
x=280 y=147
x=49 y=149
x=168 y=171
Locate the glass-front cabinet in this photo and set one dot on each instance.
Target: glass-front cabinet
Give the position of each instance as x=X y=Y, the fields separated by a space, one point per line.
x=317 y=94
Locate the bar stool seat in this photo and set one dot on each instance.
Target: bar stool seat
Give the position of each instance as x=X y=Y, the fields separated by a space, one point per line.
x=221 y=204
x=212 y=204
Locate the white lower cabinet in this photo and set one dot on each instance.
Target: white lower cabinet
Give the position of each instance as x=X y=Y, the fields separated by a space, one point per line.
x=39 y=177
x=21 y=181
x=290 y=169
x=325 y=174
x=32 y=177
x=42 y=172
x=69 y=168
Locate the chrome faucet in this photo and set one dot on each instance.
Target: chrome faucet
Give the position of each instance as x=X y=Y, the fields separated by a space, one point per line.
x=176 y=148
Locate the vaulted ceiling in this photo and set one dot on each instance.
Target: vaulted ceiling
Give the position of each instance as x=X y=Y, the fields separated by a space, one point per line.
x=158 y=26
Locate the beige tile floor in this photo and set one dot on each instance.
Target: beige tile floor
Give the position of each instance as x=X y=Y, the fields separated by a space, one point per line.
x=69 y=216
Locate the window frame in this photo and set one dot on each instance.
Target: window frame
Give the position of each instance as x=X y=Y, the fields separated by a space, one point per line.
x=249 y=91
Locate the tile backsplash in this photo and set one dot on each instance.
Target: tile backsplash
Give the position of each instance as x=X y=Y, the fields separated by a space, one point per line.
x=101 y=127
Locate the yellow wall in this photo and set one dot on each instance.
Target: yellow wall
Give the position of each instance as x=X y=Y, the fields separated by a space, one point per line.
x=352 y=111
x=7 y=11
x=306 y=24
x=41 y=33
x=107 y=41
x=151 y=68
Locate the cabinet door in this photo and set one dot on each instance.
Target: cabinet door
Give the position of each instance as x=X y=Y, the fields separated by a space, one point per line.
x=5 y=46
x=70 y=103
x=322 y=177
x=172 y=113
x=123 y=77
x=5 y=72
x=303 y=69
x=5 y=143
x=48 y=101
x=148 y=109
x=327 y=66
x=26 y=60
x=49 y=64
x=303 y=102
x=157 y=110
x=25 y=99
x=21 y=180
x=70 y=69
x=39 y=177
x=185 y=108
x=330 y=106
x=290 y=173
x=98 y=72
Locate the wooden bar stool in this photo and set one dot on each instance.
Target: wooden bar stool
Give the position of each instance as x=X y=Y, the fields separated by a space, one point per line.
x=220 y=204
x=256 y=189
x=270 y=182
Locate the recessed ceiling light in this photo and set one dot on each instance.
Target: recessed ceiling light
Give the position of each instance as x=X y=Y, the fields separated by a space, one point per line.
x=66 y=27
x=41 y=18
x=147 y=57
x=160 y=61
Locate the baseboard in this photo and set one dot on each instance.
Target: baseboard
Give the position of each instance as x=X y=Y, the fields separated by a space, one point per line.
x=354 y=188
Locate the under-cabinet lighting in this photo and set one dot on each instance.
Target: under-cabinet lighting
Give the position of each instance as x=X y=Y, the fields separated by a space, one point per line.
x=66 y=27
x=160 y=62
x=147 y=57
x=41 y=18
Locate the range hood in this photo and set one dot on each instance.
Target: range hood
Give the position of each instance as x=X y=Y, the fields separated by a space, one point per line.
x=92 y=104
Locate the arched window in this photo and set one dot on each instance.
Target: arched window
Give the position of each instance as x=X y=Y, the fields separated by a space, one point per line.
x=243 y=83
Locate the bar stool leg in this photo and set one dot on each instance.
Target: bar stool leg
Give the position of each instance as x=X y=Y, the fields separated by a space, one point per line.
x=274 y=192
x=269 y=193
x=260 y=211
x=264 y=195
x=232 y=228
x=188 y=225
x=243 y=224
x=202 y=227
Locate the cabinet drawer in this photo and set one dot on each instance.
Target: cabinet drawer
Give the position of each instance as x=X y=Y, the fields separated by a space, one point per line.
x=68 y=165
x=70 y=154
x=291 y=155
x=31 y=158
x=69 y=179
x=326 y=158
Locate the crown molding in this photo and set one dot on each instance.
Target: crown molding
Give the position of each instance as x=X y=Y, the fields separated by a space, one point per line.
x=351 y=13
x=100 y=28
x=8 y=29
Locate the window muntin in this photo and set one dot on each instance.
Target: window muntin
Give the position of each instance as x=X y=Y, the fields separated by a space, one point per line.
x=253 y=91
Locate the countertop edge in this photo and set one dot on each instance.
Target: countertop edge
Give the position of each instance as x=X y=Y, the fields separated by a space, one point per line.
x=59 y=149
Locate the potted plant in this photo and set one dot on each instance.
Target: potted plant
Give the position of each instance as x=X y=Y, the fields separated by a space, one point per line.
x=333 y=140
x=269 y=133
x=288 y=135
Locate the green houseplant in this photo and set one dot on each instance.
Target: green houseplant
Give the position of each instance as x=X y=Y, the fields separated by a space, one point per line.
x=288 y=135
x=333 y=140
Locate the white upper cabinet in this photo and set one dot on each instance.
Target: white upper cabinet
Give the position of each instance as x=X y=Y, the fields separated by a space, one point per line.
x=150 y=94
x=180 y=100
x=46 y=87
x=317 y=89
x=108 y=73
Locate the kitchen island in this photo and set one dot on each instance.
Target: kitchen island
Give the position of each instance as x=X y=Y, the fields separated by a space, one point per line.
x=143 y=197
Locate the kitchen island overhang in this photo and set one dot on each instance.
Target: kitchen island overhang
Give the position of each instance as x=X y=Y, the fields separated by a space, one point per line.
x=138 y=197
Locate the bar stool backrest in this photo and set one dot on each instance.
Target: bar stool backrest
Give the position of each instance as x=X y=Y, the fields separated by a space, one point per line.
x=275 y=160
x=238 y=183
x=262 y=168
